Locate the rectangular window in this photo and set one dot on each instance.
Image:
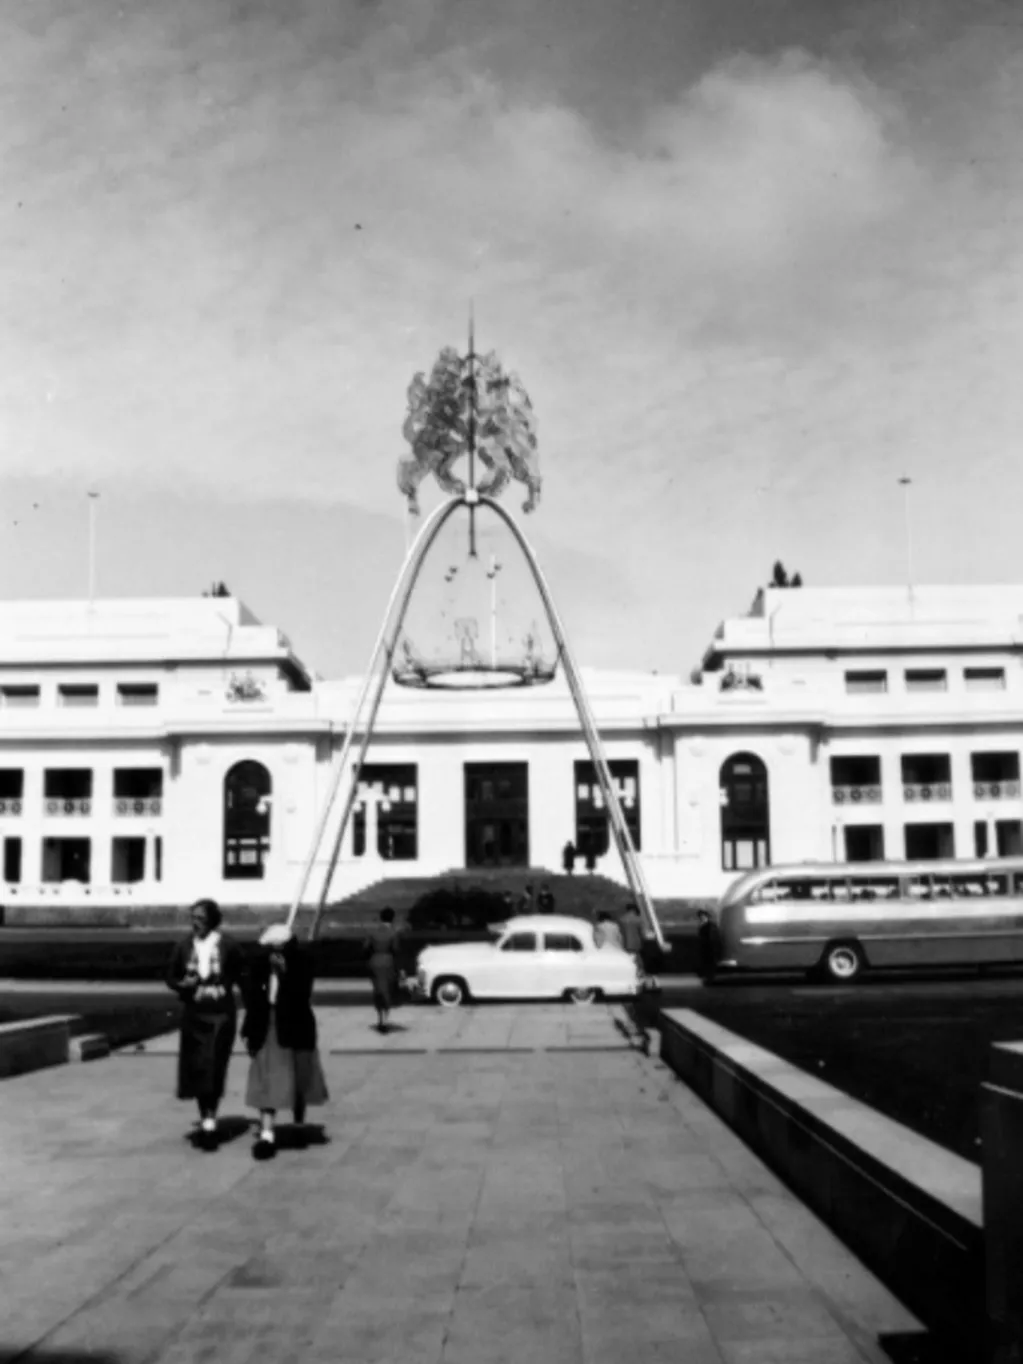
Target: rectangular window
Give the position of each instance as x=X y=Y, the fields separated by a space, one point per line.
x=67 y=859
x=864 y=682
x=12 y=790
x=393 y=789
x=78 y=694
x=592 y=832
x=67 y=783
x=926 y=679
x=929 y=842
x=926 y=777
x=137 y=693
x=23 y=697
x=864 y=843
x=127 y=860
x=984 y=679
x=12 y=861
x=562 y=942
x=138 y=791
x=855 y=781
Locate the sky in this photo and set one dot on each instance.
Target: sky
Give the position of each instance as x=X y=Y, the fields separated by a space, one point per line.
x=753 y=260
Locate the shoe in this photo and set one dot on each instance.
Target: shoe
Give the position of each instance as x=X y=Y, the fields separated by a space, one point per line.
x=207 y=1136
x=265 y=1147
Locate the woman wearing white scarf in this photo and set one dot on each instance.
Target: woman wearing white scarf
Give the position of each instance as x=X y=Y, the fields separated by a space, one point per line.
x=280 y=1031
x=203 y=972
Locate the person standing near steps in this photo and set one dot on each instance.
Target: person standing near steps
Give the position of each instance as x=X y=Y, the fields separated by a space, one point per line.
x=204 y=969
x=280 y=1032
x=381 y=948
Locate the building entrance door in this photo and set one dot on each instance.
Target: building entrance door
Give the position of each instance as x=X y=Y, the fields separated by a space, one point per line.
x=497 y=814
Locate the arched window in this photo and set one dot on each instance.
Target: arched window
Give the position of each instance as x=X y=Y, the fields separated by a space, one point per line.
x=247 y=802
x=745 y=813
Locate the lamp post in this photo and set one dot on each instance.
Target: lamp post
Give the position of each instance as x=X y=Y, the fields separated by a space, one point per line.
x=93 y=497
x=905 y=484
x=492 y=573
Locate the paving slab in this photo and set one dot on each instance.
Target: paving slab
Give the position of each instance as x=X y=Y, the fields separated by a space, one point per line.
x=467 y=1204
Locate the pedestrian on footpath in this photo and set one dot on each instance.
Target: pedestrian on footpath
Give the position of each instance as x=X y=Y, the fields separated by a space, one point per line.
x=280 y=1031
x=204 y=969
x=381 y=948
x=527 y=905
x=607 y=933
x=545 y=900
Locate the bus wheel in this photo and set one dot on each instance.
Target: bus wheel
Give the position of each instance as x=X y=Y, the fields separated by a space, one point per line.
x=843 y=961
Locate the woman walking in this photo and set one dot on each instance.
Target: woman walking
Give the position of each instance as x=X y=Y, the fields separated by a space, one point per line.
x=381 y=947
x=280 y=1032
x=204 y=970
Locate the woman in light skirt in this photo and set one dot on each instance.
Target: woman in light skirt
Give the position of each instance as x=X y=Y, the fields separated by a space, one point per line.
x=280 y=1032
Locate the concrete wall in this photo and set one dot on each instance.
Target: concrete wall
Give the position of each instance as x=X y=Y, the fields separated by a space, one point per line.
x=908 y=1208
x=35 y=1044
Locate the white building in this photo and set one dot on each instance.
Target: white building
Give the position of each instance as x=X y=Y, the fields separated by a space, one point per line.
x=154 y=751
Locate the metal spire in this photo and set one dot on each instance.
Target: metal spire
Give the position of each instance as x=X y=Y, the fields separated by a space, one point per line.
x=472 y=427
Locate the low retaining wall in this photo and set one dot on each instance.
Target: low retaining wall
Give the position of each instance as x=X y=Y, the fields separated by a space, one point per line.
x=35 y=1043
x=911 y=1210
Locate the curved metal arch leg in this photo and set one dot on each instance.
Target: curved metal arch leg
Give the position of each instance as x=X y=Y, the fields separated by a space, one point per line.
x=619 y=827
x=383 y=650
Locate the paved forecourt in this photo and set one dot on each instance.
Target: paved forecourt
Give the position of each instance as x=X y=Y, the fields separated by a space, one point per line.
x=528 y=1186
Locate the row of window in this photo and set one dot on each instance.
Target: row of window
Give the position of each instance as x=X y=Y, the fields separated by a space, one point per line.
x=863 y=681
x=75 y=787
x=71 y=859
x=925 y=842
x=925 y=776
x=15 y=696
x=880 y=886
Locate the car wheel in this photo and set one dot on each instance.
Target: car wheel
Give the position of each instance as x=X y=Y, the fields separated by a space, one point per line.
x=582 y=994
x=450 y=992
x=843 y=962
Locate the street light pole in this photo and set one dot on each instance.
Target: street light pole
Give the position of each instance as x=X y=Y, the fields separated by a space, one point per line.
x=906 y=483
x=93 y=496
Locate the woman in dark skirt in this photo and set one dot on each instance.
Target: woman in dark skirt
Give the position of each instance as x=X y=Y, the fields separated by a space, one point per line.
x=280 y=1031
x=204 y=969
x=381 y=947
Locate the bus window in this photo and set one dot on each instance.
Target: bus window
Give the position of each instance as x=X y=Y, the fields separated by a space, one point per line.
x=874 y=887
x=1017 y=883
x=766 y=894
x=840 y=891
x=970 y=887
x=996 y=885
x=804 y=888
x=941 y=887
x=918 y=888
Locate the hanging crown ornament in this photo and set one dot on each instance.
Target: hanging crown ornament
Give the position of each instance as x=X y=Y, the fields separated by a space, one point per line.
x=469 y=407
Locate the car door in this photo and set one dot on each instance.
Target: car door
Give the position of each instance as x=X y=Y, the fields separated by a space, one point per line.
x=518 y=967
x=562 y=963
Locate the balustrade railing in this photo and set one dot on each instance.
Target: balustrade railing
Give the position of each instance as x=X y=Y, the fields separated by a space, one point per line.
x=856 y=795
x=996 y=790
x=925 y=791
x=67 y=806
x=126 y=807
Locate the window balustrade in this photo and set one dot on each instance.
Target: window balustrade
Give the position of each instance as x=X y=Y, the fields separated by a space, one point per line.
x=996 y=790
x=57 y=806
x=9 y=806
x=856 y=795
x=126 y=807
x=924 y=791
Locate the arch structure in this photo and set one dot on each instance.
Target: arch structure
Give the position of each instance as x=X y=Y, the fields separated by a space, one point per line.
x=360 y=729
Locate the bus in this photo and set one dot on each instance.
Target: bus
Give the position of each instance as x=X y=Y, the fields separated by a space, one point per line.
x=838 y=920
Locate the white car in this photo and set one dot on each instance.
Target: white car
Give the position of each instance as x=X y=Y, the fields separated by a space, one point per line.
x=535 y=956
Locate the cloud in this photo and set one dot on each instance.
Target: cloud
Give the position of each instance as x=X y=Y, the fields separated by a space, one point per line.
x=238 y=237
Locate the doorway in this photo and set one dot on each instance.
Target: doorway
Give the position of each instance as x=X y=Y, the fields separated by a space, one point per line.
x=497 y=814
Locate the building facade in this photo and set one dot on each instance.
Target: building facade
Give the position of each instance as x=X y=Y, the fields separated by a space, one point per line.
x=155 y=751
